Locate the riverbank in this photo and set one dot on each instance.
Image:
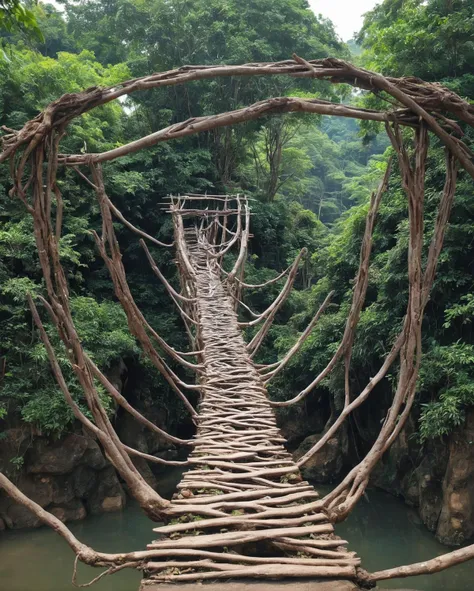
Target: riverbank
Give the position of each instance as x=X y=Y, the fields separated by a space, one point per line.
x=383 y=531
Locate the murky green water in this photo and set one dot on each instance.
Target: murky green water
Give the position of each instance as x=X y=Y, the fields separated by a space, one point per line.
x=383 y=531
x=386 y=533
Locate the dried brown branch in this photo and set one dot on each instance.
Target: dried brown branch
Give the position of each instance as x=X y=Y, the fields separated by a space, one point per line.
x=278 y=366
x=244 y=240
x=260 y=109
x=426 y=567
x=123 y=402
x=282 y=295
x=346 y=495
x=112 y=446
x=433 y=97
x=85 y=553
x=358 y=299
x=272 y=310
x=136 y=321
x=118 y=214
x=173 y=293
x=269 y=282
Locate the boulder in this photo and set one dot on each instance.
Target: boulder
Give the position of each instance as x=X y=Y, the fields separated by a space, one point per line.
x=73 y=511
x=430 y=474
x=328 y=463
x=84 y=480
x=63 y=490
x=39 y=488
x=107 y=485
x=58 y=457
x=296 y=423
x=437 y=479
x=93 y=456
x=18 y=517
x=69 y=477
x=456 y=521
x=395 y=472
x=110 y=504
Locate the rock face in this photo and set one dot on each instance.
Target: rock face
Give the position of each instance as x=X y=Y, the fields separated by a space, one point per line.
x=69 y=477
x=59 y=457
x=328 y=463
x=456 y=520
x=296 y=423
x=438 y=480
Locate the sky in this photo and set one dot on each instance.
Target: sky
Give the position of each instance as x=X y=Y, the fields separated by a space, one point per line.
x=345 y=14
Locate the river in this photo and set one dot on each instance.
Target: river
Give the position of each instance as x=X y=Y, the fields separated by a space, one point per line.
x=382 y=530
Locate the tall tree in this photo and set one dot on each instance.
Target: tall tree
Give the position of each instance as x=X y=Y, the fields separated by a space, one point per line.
x=430 y=39
x=161 y=34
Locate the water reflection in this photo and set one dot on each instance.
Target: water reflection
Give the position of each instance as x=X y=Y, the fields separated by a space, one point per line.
x=382 y=530
x=386 y=533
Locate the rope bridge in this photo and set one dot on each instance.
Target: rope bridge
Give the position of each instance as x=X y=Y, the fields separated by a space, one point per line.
x=242 y=510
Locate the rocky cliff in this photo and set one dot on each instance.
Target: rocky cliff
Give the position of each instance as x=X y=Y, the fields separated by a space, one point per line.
x=437 y=479
x=69 y=477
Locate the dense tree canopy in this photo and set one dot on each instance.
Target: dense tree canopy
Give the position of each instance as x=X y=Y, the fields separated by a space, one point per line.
x=311 y=178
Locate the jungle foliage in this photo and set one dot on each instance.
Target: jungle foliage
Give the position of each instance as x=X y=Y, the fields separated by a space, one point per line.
x=311 y=179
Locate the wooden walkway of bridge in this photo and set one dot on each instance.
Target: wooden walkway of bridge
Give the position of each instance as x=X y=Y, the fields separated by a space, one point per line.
x=243 y=509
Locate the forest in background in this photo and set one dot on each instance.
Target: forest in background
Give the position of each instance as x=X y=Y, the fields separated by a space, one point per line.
x=311 y=179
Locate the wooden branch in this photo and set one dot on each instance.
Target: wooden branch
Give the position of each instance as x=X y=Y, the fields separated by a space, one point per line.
x=138 y=325
x=344 y=497
x=204 y=212
x=358 y=299
x=151 y=501
x=240 y=558
x=268 y=571
x=444 y=212
x=123 y=402
x=349 y=408
x=173 y=293
x=206 y=197
x=154 y=459
x=299 y=343
x=238 y=233
x=85 y=553
x=109 y=387
x=433 y=96
x=239 y=537
x=271 y=312
x=269 y=282
x=426 y=567
x=118 y=214
x=136 y=321
x=249 y=310
x=260 y=109
x=186 y=266
x=243 y=248
x=277 y=301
